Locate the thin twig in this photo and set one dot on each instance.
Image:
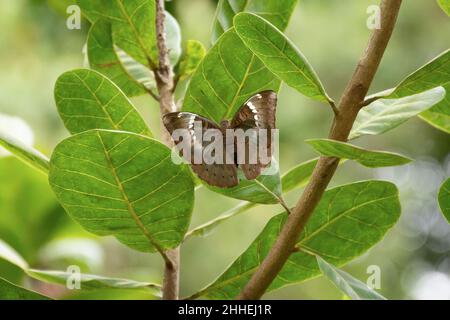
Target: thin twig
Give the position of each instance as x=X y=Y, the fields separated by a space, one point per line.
x=349 y=107
x=165 y=83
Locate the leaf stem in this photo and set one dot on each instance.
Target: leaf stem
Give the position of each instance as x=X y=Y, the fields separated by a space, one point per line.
x=349 y=107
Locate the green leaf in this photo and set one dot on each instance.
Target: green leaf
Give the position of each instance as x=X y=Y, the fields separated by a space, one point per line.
x=9 y=291
x=444 y=199
x=93 y=282
x=125 y=185
x=193 y=55
x=206 y=228
x=433 y=74
x=350 y=286
x=348 y=221
x=25 y=153
x=385 y=114
x=279 y=55
x=40 y=211
x=88 y=100
x=368 y=158
x=275 y=11
x=227 y=77
x=266 y=189
x=445 y=5
x=87 y=281
x=137 y=71
x=133 y=25
x=104 y=58
x=298 y=176
x=295 y=178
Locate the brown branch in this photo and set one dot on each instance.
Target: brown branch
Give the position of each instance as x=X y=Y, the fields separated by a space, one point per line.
x=349 y=107
x=165 y=84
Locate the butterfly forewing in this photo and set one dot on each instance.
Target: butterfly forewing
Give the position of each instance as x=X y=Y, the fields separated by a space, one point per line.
x=223 y=174
x=256 y=115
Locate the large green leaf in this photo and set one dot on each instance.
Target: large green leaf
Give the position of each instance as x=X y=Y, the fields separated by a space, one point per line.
x=368 y=158
x=88 y=100
x=104 y=58
x=279 y=55
x=348 y=221
x=9 y=291
x=133 y=25
x=275 y=11
x=87 y=281
x=385 y=114
x=444 y=199
x=266 y=189
x=193 y=55
x=350 y=286
x=126 y=185
x=445 y=5
x=433 y=74
x=228 y=75
x=25 y=153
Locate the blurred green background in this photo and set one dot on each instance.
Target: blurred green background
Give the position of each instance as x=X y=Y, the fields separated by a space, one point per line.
x=36 y=47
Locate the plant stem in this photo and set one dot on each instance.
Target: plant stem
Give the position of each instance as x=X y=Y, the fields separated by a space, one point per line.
x=348 y=109
x=165 y=84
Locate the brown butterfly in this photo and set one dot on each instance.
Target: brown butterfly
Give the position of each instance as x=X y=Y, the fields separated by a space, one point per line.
x=257 y=113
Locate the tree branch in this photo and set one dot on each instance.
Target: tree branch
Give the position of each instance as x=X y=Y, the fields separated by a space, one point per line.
x=165 y=84
x=348 y=109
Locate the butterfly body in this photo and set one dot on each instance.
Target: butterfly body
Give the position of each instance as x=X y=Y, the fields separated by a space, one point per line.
x=255 y=114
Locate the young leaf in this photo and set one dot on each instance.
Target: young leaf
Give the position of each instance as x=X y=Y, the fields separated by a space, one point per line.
x=368 y=158
x=88 y=100
x=25 y=153
x=193 y=55
x=125 y=185
x=350 y=286
x=444 y=199
x=87 y=281
x=279 y=55
x=228 y=76
x=348 y=221
x=445 y=5
x=386 y=114
x=104 y=58
x=9 y=291
x=266 y=189
x=275 y=11
x=433 y=74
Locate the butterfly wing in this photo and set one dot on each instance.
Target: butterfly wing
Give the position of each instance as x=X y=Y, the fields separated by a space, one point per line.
x=222 y=174
x=257 y=113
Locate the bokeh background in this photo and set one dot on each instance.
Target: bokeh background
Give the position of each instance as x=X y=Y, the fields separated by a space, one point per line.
x=36 y=47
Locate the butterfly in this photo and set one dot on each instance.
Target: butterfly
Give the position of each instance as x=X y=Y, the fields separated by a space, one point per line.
x=256 y=113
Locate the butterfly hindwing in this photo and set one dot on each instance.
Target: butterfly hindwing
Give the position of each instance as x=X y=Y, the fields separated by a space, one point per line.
x=257 y=113
x=222 y=175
